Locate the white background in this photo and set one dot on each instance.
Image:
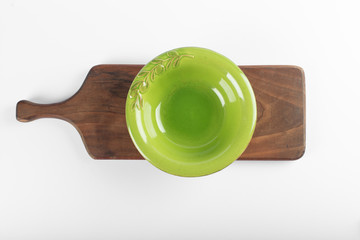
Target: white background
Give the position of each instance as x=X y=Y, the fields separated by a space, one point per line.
x=51 y=189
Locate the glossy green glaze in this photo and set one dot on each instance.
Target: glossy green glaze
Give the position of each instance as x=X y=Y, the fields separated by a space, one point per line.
x=191 y=112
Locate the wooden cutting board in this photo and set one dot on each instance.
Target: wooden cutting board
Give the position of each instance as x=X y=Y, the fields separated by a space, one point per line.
x=97 y=111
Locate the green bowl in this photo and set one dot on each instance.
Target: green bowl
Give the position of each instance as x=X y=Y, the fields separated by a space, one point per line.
x=191 y=112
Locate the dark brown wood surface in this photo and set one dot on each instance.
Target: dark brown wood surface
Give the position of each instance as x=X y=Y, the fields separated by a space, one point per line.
x=97 y=111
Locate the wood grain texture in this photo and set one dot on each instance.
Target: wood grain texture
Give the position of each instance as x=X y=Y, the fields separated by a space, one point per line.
x=97 y=111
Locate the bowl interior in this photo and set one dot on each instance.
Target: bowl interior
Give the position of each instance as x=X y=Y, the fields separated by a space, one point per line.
x=191 y=112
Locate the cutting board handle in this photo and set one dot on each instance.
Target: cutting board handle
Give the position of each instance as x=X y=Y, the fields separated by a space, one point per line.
x=27 y=111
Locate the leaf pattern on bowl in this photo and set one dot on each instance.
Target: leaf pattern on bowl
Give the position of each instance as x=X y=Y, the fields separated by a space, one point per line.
x=144 y=77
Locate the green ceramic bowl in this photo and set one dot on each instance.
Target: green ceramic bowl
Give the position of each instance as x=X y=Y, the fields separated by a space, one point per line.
x=191 y=111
